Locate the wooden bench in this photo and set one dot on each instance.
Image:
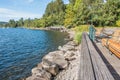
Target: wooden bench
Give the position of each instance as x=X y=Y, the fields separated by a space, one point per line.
x=92 y=67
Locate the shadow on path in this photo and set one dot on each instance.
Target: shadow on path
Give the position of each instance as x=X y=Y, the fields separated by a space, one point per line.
x=111 y=69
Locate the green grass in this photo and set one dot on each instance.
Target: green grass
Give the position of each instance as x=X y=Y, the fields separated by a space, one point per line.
x=78 y=37
x=78 y=32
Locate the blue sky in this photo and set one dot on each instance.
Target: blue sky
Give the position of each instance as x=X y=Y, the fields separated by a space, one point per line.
x=15 y=9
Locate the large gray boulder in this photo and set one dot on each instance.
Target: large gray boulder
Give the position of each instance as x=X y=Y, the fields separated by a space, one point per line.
x=67 y=48
x=37 y=69
x=39 y=74
x=70 y=55
x=39 y=66
x=56 y=57
x=50 y=67
x=72 y=43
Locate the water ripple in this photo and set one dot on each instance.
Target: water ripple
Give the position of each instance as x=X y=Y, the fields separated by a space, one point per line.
x=22 y=49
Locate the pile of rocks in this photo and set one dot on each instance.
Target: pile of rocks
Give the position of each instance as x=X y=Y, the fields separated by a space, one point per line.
x=55 y=62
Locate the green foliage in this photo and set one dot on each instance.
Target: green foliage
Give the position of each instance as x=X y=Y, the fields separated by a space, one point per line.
x=77 y=5
x=118 y=23
x=20 y=22
x=3 y=24
x=12 y=23
x=27 y=22
x=78 y=37
x=78 y=32
x=69 y=16
x=81 y=28
x=95 y=11
x=111 y=12
x=77 y=12
x=54 y=14
x=72 y=1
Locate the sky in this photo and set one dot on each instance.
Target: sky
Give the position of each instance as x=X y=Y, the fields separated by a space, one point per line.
x=15 y=9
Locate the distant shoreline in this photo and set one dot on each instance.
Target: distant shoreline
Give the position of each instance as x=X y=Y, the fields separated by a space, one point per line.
x=54 y=28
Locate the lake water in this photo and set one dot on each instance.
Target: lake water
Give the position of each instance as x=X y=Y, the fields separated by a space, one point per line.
x=22 y=49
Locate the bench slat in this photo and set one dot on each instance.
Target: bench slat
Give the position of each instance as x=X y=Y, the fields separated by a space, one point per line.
x=86 y=71
x=101 y=70
x=92 y=67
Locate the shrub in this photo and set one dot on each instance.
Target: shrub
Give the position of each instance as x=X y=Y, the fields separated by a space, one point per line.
x=78 y=32
x=81 y=28
x=77 y=37
x=118 y=23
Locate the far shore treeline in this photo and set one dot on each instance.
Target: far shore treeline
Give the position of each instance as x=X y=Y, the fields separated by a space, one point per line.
x=77 y=12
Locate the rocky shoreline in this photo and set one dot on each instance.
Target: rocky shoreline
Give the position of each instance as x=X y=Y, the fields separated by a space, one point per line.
x=52 y=28
x=60 y=64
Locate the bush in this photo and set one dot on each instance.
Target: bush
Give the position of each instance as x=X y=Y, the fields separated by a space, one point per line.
x=78 y=32
x=77 y=37
x=81 y=28
x=118 y=23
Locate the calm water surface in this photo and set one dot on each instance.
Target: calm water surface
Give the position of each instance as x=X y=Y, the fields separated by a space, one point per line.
x=22 y=49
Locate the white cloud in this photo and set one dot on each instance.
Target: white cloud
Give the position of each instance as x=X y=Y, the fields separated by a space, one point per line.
x=6 y=14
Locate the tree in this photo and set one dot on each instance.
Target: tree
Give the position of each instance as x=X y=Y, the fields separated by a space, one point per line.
x=12 y=23
x=20 y=23
x=111 y=12
x=69 y=16
x=72 y=2
x=118 y=23
x=27 y=22
x=77 y=12
x=54 y=13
